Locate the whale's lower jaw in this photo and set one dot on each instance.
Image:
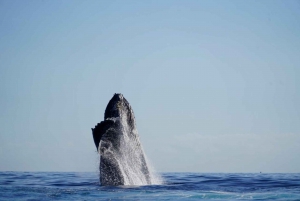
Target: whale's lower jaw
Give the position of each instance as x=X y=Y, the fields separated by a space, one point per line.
x=122 y=160
x=110 y=172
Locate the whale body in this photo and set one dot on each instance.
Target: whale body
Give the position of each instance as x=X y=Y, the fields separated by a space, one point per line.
x=122 y=159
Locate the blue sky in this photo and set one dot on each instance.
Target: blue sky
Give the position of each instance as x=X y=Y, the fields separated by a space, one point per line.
x=214 y=84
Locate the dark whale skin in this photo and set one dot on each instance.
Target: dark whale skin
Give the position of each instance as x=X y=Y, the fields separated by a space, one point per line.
x=119 y=123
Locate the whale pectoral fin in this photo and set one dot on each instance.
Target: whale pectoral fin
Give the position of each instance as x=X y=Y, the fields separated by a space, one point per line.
x=100 y=129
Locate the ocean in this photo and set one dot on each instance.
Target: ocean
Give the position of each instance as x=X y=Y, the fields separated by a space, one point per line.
x=176 y=186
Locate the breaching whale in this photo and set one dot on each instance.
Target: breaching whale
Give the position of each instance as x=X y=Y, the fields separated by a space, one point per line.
x=122 y=159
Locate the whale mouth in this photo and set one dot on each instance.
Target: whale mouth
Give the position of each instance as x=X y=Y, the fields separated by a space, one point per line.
x=116 y=106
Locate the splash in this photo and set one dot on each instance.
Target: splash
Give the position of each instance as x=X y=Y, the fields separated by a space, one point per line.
x=130 y=158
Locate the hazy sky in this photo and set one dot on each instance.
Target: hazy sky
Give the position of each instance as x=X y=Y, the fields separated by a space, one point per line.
x=214 y=85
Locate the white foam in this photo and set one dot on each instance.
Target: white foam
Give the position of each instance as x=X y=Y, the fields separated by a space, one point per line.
x=131 y=158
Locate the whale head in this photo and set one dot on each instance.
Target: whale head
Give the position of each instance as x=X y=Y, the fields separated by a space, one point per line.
x=117 y=110
x=119 y=107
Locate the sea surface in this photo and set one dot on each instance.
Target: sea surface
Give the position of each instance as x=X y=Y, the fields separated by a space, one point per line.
x=176 y=186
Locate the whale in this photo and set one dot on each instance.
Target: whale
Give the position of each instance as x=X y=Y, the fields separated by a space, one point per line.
x=122 y=159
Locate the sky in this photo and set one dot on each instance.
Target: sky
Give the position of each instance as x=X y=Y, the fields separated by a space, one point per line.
x=214 y=85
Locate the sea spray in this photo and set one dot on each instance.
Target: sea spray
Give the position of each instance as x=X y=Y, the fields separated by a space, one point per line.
x=130 y=157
